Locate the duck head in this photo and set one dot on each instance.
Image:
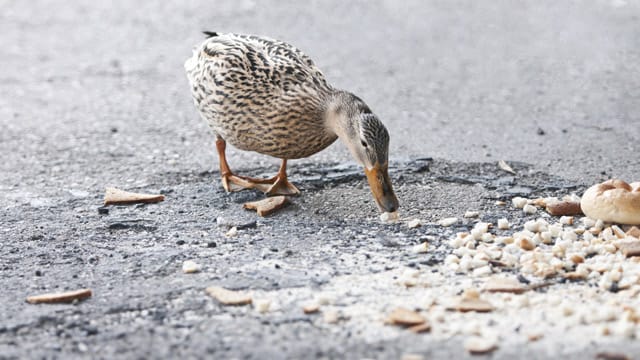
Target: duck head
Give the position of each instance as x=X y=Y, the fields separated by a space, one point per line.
x=368 y=141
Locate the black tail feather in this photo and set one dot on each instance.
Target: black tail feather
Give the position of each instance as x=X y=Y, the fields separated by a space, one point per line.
x=210 y=33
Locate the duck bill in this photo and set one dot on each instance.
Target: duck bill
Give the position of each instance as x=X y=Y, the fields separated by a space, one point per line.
x=380 y=184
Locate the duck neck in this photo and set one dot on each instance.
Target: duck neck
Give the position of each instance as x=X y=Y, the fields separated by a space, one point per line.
x=339 y=115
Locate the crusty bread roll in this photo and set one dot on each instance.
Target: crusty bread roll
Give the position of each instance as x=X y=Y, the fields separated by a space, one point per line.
x=613 y=201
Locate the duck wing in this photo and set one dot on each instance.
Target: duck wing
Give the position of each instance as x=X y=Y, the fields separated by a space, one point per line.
x=256 y=91
x=241 y=64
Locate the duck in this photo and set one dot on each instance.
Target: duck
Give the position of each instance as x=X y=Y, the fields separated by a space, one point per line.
x=267 y=96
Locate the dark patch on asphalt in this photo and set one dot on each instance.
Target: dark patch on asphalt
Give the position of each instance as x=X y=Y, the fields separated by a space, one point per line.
x=132 y=224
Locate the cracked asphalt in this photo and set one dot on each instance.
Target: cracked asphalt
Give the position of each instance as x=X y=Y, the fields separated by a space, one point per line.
x=94 y=95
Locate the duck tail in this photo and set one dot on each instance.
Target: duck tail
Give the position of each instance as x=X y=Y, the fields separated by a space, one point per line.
x=210 y=34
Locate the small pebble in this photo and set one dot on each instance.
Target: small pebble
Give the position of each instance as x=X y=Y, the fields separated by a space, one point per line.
x=569 y=235
x=576 y=258
x=389 y=217
x=229 y=297
x=471 y=214
x=405 y=317
x=232 y=232
x=331 y=316
x=529 y=209
x=412 y=357
x=519 y=202
x=618 y=232
x=504 y=285
x=566 y=220
x=588 y=222
x=625 y=328
x=482 y=227
x=487 y=237
x=262 y=305
x=421 y=248
x=447 y=221
x=324 y=299
x=482 y=271
x=535 y=336
x=480 y=345
x=532 y=226
x=526 y=244
x=451 y=259
x=634 y=231
x=311 y=308
x=190 y=267
x=555 y=229
x=414 y=223
x=504 y=240
x=503 y=224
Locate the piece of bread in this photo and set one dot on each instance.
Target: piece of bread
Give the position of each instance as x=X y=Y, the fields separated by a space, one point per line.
x=613 y=201
x=267 y=206
x=115 y=196
x=65 y=297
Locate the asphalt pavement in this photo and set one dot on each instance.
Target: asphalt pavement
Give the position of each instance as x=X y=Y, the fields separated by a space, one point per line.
x=94 y=94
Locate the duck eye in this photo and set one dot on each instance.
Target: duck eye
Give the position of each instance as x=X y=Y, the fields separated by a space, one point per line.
x=364 y=143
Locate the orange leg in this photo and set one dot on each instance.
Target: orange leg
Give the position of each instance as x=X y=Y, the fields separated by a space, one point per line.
x=280 y=185
x=277 y=185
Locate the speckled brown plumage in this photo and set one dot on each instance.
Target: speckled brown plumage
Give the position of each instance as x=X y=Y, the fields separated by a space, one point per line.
x=260 y=95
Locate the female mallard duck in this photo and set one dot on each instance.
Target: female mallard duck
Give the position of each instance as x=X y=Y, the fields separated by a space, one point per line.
x=265 y=95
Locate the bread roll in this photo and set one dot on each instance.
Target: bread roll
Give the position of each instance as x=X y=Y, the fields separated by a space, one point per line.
x=613 y=201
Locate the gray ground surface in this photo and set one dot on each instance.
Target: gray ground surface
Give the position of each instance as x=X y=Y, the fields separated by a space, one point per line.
x=94 y=95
